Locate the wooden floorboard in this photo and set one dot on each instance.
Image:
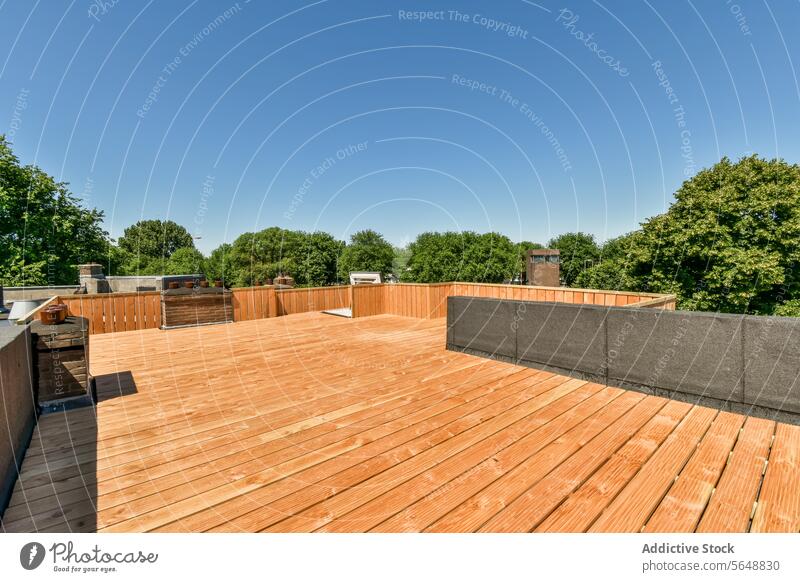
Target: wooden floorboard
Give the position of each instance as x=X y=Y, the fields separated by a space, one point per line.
x=733 y=501
x=317 y=423
x=686 y=501
x=778 y=508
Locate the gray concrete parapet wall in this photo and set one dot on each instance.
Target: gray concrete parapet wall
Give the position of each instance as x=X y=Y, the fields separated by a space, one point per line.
x=743 y=363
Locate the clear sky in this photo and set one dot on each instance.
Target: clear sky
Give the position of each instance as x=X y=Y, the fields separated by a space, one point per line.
x=526 y=118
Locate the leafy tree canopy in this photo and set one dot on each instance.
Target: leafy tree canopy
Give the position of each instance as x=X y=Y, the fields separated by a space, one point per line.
x=310 y=258
x=44 y=231
x=790 y=308
x=155 y=239
x=731 y=240
x=319 y=254
x=612 y=272
x=579 y=251
x=185 y=261
x=367 y=251
x=462 y=256
x=217 y=265
x=400 y=261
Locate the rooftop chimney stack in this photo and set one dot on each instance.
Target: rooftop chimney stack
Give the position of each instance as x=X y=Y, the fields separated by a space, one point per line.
x=544 y=267
x=92 y=279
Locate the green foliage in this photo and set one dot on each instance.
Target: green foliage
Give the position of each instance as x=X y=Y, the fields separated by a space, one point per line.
x=523 y=248
x=218 y=263
x=154 y=239
x=462 y=256
x=257 y=256
x=367 y=251
x=318 y=256
x=185 y=261
x=619 y=248
x=729 y=242
x=790 y=308
x=400 y=261
x=612 y=272
x=44 y=231
x=579 y=251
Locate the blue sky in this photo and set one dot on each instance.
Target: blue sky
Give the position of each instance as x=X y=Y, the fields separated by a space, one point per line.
x=526 y=118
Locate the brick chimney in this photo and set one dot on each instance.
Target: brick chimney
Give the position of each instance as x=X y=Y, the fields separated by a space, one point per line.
x=92 y=279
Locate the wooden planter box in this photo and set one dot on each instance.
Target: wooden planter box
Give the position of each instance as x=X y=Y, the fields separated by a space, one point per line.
x=198 y=306
x=61 y=356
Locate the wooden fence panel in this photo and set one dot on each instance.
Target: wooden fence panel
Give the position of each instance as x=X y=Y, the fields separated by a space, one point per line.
x=369 y=300
x=253 y=303
x=108 y=313
x=303 y=300
x=115 y=312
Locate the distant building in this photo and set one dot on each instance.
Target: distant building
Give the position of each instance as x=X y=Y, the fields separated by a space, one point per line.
x=544 y=267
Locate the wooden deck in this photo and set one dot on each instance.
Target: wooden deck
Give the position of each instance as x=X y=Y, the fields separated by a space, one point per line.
x=319 y=423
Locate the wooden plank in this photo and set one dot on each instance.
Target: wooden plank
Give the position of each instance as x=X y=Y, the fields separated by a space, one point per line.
x=584 y=505
x=637 y=500
x=130 y=314
x=156 y=479
x=229 y=495
x=516 y=468
x=778 y=508
x=686 y=500
x=732 y=502
x=144 y=448
x=450 y=483
x=458 y=433
x=98 y=317
x=394 y=467
x=118 y=321
x=531 y=508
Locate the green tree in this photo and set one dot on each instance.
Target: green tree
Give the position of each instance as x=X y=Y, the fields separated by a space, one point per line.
x=462 y=256
x=609 y=274
x=310 y=258
x=262 y=255
x=731 y=240
x=400 y=261
x=317 y=259
x=44 y=231
x=185 y=261
x=579 y=251
x=619 y=247
x=436 y=257
x=790 y=308
x=367 y=251
x=613 y=270
x=153 y=239
x=218 y=265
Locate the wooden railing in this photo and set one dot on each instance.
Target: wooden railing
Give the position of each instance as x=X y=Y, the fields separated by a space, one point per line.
x=429 y=301
x=254 y=303
x=132 y=311
x=368 y=300
x=664 y=302
x=425 y=301
x=109 y=312
x=303 y=300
